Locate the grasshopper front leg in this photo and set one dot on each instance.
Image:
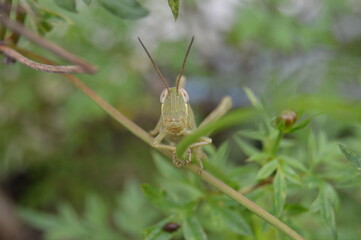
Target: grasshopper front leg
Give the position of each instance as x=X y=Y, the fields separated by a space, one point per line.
x=157 y=144
x=157 y=128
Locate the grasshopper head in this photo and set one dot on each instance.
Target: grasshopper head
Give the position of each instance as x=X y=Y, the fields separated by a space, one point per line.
x=174 y=100
x=174 y=110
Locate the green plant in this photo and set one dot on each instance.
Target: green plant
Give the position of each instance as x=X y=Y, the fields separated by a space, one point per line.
x=293 y=170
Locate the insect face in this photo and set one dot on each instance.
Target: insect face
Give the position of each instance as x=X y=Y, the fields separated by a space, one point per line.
x=174 y=110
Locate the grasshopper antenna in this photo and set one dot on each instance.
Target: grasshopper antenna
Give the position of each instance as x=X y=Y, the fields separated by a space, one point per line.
x=154 y=64
x=184 y=63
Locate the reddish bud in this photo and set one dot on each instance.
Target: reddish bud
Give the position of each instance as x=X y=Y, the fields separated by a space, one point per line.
x=289 y=117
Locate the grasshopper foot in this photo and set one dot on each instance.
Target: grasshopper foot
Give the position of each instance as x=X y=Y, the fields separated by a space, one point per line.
x=176 y=161
x=189 y=159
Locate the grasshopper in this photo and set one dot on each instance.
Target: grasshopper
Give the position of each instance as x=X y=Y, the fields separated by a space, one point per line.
x=177 y=118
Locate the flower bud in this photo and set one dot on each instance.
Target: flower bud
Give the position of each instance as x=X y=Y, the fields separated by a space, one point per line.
x=289 y=117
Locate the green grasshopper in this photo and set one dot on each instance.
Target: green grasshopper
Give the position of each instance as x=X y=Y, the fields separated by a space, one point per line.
x=177 y=118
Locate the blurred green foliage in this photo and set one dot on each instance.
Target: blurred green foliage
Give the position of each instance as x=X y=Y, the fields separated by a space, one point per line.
x=69 y=167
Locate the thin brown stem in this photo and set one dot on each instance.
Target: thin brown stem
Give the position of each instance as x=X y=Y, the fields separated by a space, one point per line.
x=246 y=202
x=18 y=28
x=132 y=127
x=14 y=55
x=251 y=188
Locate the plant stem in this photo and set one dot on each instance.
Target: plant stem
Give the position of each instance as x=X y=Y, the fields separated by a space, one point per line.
x=19 y=29
x=256 y=186
x=207 y=177
x=14 y=55
x=246 y=202
x=277 y=142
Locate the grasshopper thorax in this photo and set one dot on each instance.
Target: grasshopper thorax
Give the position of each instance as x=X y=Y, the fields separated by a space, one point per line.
x=174 y=110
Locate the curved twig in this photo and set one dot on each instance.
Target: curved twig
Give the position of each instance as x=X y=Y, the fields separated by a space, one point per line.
x=11 y=53
x=18 y=28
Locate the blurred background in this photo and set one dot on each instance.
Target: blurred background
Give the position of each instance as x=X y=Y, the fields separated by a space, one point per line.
x=57 y=148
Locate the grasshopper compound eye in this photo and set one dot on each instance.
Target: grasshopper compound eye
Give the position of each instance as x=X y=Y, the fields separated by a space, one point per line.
x=163 y=95
x=184 y=94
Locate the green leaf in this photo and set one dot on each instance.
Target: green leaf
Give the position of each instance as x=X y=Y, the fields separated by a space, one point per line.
x=192 y=229
x=252 y=98
x=280 y=188
x=301 y=125
x=232 y=118
x=87 y=2
x=68 y=5
x=291 y=175
x=353 y=157
x=174 y=6
x=234 y=221
x=251 y=134
x=221 y=155
x=259 y=157
x=95 y=211
x=130 y=207
x=327 y=200
x=158 y=198
x=267 y=170
x=156 y=232
x=126 y=9
x=295 y=209
x=45 y=19
x=42 y=221
x=246 y=147
x=293 y=162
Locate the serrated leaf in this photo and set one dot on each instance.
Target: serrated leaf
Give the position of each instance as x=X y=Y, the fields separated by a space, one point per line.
x=280 y=189
x=174 y=6
x=295 y=163
x=221 y=155
x=234 y=221
x=156 y=232
x=68 y=5
x=267 y=170
x=127 y=9
x=192 y=229
x=68 y=213
x=42 y=221
x=131 y=204
x=327 y=213
x=291 y=175
x=158 y=198
x=95 y=211
x=353 y=157
x=247 y=148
